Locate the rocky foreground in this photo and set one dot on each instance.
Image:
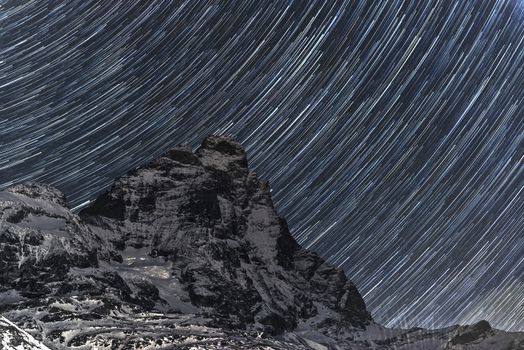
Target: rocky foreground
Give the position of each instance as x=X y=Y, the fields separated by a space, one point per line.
x=185 y=252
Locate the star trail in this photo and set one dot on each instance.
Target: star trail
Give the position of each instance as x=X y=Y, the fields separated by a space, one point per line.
x=391 y=131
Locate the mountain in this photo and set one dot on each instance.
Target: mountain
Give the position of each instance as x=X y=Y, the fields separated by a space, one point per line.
x=187 y=252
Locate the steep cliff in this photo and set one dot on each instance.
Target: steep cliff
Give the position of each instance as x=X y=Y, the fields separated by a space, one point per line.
x=203 y=230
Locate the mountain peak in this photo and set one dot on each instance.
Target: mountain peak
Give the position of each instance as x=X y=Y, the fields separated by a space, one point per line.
x=223 y=153
x=39 y=191
x=183 y=154
x=230 y=253
x=224 y=144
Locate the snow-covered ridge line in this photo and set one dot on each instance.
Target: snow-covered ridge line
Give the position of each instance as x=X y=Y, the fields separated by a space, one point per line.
x=14 y=338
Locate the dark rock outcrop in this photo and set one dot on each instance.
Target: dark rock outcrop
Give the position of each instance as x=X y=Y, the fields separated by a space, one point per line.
x=214 y=222
x=469 y=334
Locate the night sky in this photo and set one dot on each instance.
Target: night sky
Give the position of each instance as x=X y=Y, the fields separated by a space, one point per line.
x=391 y=131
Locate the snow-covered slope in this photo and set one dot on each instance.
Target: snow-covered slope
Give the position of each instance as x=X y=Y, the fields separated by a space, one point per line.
x=14 y=338
x=186 y=252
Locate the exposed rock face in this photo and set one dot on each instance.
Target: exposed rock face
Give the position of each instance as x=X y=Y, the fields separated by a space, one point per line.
x=49 y=257
x=40 y=240
x=213 y=223
x=470 y=334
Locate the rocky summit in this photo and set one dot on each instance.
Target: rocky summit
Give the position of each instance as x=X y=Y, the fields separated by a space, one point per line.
x=184 y=252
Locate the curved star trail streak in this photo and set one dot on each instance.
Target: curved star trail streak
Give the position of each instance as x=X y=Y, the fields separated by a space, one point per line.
x=391 y=131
